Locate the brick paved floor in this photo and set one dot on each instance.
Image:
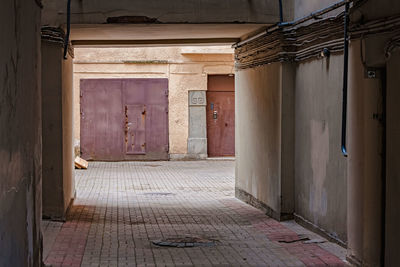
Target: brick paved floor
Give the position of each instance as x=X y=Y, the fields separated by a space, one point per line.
x=121 y=207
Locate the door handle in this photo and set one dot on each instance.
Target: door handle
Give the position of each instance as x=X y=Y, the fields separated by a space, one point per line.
x=215 y=114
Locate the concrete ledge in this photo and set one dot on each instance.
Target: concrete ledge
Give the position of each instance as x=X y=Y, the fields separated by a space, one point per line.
x=62 y=218
x=71 y=203
x=251 y=200
x=354 y=261
x=222 y=158
x=197 y=146
x=314 y=228
x=177 y=157
x=50 y=215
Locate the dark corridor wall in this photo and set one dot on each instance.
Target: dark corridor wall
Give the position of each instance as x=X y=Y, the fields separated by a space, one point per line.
x=20 y=134
x=393 y=161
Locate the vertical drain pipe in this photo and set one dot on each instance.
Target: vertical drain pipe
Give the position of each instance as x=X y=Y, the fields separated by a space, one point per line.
x=345 y=78
x=66 y=44
x=280 y=12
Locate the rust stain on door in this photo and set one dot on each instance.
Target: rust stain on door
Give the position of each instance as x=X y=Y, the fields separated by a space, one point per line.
x=124 y=119
x=135 y=129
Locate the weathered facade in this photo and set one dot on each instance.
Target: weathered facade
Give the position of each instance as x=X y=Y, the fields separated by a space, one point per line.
x=348 y=198
x=186 y=70
x=306 y=174
x=289 y=79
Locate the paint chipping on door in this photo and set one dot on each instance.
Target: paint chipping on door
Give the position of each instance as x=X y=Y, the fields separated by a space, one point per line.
x=124 y=119
x=135 y=129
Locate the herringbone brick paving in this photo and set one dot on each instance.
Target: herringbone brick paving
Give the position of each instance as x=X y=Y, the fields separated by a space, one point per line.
x=121 y=207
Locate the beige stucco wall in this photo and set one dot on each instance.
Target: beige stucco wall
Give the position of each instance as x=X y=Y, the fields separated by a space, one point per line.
x=264 y=147
x=258 y=125
x=57 y=131
x=320 y=168
x=185 y=67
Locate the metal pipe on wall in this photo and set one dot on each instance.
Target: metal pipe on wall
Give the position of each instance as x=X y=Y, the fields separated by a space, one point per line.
x=345 y=78
x=66 y=44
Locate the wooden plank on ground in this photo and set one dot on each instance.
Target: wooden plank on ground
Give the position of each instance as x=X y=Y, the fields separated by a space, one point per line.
x=80 y=163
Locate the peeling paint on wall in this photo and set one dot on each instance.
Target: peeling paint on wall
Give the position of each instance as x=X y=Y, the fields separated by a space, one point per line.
x=319 y=160
x=185 y=72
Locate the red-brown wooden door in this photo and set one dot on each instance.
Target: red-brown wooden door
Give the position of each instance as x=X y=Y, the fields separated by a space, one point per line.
x=124 y=119
x=221 y=116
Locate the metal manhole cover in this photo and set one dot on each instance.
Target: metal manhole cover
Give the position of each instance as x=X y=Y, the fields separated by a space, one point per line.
x=184 y=242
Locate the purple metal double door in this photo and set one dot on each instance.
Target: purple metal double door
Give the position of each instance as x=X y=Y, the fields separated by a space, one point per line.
x=124 y=119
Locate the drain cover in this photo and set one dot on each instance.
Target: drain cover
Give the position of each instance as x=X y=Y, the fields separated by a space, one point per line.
x=184 y=242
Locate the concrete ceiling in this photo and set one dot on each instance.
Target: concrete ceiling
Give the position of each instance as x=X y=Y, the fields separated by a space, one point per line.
x=162 y=34
x=172 y=11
